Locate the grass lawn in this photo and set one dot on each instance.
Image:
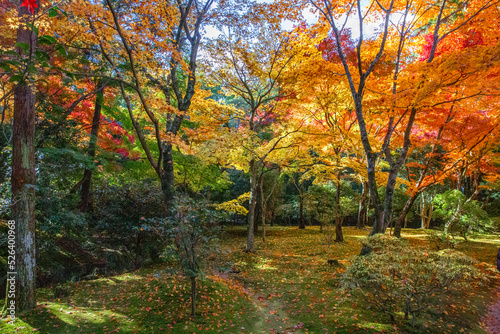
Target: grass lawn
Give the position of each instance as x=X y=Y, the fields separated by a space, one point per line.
x=287 y=286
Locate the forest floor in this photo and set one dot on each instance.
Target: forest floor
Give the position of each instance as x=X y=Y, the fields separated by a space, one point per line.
x=287 y=286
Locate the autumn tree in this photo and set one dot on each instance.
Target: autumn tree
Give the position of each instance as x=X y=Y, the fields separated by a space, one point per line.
x=153 y=45
x=248 y=63
x=386 y=57
x=463 y=125
x=331 y=132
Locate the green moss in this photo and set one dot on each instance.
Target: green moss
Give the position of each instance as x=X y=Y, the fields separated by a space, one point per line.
x=299 y=294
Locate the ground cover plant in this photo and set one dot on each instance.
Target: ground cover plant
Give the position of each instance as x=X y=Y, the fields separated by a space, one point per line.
x=287 y=286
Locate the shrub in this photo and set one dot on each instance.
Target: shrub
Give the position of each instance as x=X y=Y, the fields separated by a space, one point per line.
x=462 y=216
x=395 y=277
x=443 y=241
x=193 y=230
x=126 y=215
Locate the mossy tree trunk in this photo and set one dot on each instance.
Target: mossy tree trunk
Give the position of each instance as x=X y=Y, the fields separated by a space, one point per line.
x=24 y=175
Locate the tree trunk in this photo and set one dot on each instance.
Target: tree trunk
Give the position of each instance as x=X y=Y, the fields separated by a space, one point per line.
x=375 y=200
x=193 y=297
x=339 y=237
x=428 y=217
x=338 y=218
x=402 y=215
x=258 y=208
x=24 y=179
x=363 y=207
x=94 y=133
x=251 y=210
x=426 y=209
x=263 y=208
x=372 y=186
x=302 y=224
x=167 y=176
x=389 y=197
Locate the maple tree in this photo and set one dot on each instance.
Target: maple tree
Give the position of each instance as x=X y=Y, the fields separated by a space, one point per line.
x=254 y=79
x=173 y=77
x=372 y=61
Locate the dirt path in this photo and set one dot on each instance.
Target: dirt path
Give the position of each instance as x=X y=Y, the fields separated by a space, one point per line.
x=274 y=319
x=492 y=319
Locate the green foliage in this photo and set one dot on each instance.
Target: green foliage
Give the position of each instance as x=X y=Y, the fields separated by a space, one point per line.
x=396 y=277
x=496 y=224
x=319 y=203
x=56 y=206
x=122 y=214
x=193 y=174
x=5 y=185
x=193 y=229
x=443 y=241
x=462 y=216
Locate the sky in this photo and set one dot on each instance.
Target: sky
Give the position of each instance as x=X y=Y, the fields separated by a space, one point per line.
x=311 y=18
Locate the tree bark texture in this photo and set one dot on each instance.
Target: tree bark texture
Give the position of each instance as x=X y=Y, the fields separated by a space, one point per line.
x=251 y=210
x=24 y=178
x=363 y=207
x=339 y=237
x=94 y=134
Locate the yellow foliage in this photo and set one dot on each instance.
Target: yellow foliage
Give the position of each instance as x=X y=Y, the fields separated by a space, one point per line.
x=234 y=205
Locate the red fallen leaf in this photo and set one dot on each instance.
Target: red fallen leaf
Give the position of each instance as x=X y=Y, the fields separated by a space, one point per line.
x=30 y=4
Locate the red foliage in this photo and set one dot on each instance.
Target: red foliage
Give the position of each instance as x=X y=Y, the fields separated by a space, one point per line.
x=30 y=4
x=454 y=43
x=328 y=47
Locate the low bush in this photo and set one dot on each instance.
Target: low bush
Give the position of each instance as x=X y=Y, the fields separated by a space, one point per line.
x=396 y=277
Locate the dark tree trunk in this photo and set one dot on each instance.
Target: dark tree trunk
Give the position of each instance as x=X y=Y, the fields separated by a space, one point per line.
x=363 y=207
x=374 y=199
x=339 y=237
x=402 y=215
x=251 y=210
x=258 y=208
x=301 y=210
x=167 y=176
x=94 y=133
x=24 y=180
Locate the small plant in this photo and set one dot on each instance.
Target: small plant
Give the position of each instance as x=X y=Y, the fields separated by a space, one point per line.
x=193 y=231
x=395 y=277
x=443 y=241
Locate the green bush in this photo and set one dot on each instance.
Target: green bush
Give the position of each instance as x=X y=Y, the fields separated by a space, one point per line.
x=462 y=216
x=396 y=277
x=193 y=230
x=127 y=216
x=442 y=241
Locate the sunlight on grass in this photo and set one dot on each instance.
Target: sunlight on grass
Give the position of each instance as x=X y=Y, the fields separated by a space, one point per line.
x=286 y=286
x=263 y=264
x=18 y=326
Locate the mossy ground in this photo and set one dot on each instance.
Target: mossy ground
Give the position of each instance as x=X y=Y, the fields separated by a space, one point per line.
x=287 y=286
